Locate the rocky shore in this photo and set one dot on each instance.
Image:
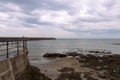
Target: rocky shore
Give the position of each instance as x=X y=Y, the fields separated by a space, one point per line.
x=100 y=65
x=108 y=65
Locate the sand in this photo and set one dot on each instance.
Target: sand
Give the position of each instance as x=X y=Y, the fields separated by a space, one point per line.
x=51 y=69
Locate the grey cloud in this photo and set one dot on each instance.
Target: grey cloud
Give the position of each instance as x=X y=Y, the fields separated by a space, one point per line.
x=109 y=4
x=28 y=5
x=99 y=14
x=32 y=20
x=94 y=31
x=29 y=21
x=91 y=20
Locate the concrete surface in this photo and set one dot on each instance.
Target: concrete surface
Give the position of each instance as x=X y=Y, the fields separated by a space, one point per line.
x=12 y=68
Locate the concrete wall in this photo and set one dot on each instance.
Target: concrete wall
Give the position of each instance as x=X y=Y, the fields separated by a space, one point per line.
x=13 y=68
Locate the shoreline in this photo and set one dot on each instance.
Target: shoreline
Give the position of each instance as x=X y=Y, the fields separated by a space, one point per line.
x=86 y=66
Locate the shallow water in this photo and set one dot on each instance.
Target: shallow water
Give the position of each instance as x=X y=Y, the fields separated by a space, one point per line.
x=38 y=48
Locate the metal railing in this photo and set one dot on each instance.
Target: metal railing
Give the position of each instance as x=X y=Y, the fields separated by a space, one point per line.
x=12 y=47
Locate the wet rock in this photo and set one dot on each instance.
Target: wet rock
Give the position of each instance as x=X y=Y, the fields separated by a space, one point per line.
x=97 y=51
x=89 y=77
x=102 y=76
x=69 y=74
x=54 y=55
x=67 y=69
x=116 y=43
x=73 y=54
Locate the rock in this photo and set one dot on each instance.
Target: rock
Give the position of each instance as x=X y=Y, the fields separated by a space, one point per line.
x=73 y=54
x=54 y=55
x=69 y=74
x=99 y=51
x=116 y=43
x=67 y=69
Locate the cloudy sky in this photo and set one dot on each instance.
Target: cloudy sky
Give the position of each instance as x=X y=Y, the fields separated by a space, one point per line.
x=60 y=18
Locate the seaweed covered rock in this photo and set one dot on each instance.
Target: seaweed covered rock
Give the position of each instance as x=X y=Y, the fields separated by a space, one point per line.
x=54 y=55
x=89 y=77
x=67 y=69
x=69 y=74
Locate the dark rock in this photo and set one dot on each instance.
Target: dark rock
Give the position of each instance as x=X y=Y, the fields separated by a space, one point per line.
x=89 y=77
x=99 y=51
x=69 y=74
x=116 y=43
x=54 y=55
x=73 y=54
x=67 y=69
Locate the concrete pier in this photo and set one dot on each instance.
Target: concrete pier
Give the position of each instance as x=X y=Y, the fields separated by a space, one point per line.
x=13 y=68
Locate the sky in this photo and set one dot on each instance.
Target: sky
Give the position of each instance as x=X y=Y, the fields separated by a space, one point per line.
x=60 y=18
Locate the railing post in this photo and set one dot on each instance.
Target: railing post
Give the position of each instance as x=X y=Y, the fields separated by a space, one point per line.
x=12 y=43
x=23 y=44
x=26 y=44
x=20 y=44
x=17 y=47
x=7 y=44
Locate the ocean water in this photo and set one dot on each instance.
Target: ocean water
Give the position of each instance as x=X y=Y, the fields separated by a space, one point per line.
x=38 y=48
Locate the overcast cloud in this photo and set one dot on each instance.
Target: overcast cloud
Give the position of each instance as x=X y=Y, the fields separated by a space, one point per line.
x=60 y=18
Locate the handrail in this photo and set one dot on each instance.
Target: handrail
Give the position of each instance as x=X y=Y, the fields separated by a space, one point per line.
x=8 y=47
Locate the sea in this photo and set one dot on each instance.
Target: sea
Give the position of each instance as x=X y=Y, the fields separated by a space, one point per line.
x=38 y=48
